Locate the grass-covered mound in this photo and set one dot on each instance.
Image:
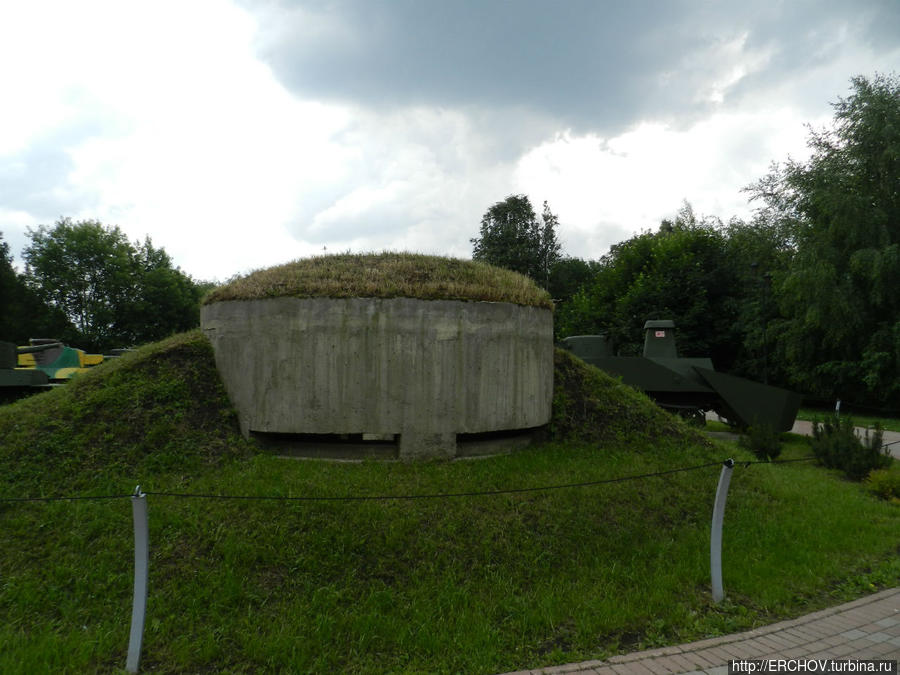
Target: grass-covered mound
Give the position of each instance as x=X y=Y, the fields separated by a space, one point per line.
x=590 y=406
x=478 y=584
x=385 y=275
x=160 y=409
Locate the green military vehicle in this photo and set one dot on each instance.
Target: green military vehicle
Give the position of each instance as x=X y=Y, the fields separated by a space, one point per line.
x=689 y=386
x=39 y=365
x=16 y=382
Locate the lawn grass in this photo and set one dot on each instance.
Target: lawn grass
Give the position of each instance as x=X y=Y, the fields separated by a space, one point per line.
x=385 y=275
x=887 y=423
x=715 y=425
x=477 y=584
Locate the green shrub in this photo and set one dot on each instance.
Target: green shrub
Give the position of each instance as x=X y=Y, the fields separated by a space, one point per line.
x=836 y=445
x=763 y=441
x=885 y=484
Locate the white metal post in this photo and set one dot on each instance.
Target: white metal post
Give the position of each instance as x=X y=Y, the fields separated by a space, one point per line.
x=141 y=567
x=715 y=538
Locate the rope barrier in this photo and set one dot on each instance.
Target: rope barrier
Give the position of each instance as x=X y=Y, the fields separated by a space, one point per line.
x=356 y=498
x=436 y=495
x=777 y=461
x=62 y=499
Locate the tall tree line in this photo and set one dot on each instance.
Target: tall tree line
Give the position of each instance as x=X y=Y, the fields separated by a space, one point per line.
x=87 y=284
x=838 y=328
x=806 y=294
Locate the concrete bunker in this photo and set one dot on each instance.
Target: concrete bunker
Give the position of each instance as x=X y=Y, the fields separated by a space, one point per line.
x=464 y=369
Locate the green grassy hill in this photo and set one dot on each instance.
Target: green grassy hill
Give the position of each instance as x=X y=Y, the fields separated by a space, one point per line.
x=476 y=584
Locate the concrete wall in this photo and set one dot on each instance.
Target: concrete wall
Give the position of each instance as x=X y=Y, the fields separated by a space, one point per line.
x=426 y=370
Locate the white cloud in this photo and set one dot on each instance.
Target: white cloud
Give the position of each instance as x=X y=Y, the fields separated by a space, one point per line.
x=607 y=189
x=418 y=179
x=199 y=146
x=163 y=119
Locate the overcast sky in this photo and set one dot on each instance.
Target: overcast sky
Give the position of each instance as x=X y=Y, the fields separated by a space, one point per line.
x=238 y=135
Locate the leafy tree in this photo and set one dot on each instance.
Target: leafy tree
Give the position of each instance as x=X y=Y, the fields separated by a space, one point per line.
x=680 y=272
x=113 y=292
x=85 y=270
x=511 y=236
x=23 y=313
x=568 y=275
x=841 y=331
x=758 y=252
x=168 y=301
x=9 y=290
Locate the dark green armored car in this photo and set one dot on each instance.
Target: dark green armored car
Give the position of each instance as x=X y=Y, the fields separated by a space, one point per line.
x=689 y=386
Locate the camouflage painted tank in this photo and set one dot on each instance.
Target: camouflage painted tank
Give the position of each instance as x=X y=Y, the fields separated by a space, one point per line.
x=39 y=365
x=11 y=376
x=56 y=360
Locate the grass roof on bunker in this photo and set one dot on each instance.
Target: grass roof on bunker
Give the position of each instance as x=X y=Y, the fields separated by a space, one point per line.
x=385 y=275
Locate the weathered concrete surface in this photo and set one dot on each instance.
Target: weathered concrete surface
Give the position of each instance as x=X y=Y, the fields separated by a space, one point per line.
x=423 y=370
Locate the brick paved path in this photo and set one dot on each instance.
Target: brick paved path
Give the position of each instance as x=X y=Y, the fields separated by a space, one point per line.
x=868 y=628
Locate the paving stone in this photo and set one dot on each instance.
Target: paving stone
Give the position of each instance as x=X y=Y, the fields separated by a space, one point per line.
x=741 y=651
x=854 y=634
x=665 y=664
x=703 y=660
x=878 y=637
x=843 y=649
x=804 y=633
x=718 y=655
x=568 y=668
x=833 y=640
x=866 y=628
x=772 y=644
x=791 y=639
x=885 y=650
x=836 y=624
x=708 y=642
x=661 y=651
x=867 y=650
x=594 y=663
x=631 y=668
x=683 y=662
x=719 y=670
x=817 y=648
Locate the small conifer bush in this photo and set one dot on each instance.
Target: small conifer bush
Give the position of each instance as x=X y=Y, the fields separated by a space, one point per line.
x=837 y=446
x=763 y=441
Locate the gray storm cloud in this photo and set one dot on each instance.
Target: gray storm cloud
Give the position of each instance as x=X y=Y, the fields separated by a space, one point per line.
x=395 y=123
x=588 y=65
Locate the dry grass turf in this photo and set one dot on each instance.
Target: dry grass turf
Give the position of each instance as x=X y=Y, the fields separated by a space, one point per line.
x=385 y=275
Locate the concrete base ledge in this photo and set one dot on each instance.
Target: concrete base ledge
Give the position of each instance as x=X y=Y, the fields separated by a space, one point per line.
x=351 y=447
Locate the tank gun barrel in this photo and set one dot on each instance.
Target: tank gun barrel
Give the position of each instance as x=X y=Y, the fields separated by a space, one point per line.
x=32 y=349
